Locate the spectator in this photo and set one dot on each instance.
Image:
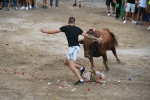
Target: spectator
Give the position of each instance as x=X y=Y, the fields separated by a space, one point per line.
x=75 y=3
x=118 y=6
x=122 y=8
x=56 y=3
x=108 y=2
x=1 y=2
x=33 y=4
x=16 y=5
x=23 y=4
x=135 y=14
x=8 y=3
x=148 y=8
x=12 y=2
x=130 y=4
x=28 y=5
x=44 y=4
x=142 y=5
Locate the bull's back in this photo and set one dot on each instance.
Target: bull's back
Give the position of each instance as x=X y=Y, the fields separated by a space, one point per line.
x=106 y=37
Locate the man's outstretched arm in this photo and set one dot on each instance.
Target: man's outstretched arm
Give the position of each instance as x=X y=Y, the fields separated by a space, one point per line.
x=50 y=31
x=92 y=37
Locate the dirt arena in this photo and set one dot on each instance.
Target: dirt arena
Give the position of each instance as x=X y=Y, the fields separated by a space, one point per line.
x=31 y=63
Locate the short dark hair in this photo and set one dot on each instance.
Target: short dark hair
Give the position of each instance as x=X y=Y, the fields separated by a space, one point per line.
x=71 y=20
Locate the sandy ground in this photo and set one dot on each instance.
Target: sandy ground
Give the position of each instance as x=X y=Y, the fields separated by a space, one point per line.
x=31 y=63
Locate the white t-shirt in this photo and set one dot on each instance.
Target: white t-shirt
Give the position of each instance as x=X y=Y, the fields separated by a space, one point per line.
x=143 y=3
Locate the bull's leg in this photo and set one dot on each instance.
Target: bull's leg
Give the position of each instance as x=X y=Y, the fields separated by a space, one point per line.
x=105 y=61
x=115 y=54
x=91 y=61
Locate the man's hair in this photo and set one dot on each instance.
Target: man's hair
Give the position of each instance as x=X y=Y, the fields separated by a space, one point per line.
x=71 y=20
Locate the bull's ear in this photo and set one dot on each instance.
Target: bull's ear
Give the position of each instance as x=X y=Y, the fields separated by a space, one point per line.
x=81 y=41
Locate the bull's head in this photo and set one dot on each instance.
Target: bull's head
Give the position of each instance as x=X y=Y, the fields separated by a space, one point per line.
x=90 y=46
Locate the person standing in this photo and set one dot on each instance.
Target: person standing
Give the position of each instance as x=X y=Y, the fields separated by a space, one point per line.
x=72 y=32
x=56 y=3
x=16 y=5
x=118 y=6
x=142 y=5
x=8 y=3
x=129 y=4
x=45 y=3
x=108 y=2
x=75 y=3
x=1 y=3
x=33 y=4
x=23 y=5
x=148 y=8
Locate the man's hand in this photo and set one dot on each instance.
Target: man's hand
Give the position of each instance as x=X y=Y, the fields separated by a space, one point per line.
x=43 y=30
x=101 y=39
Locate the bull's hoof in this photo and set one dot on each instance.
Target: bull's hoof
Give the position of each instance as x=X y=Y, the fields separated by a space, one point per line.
x=118 y=61
x=107 y=69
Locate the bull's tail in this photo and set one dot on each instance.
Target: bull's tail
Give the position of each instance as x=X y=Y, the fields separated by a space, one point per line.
x=114 y=41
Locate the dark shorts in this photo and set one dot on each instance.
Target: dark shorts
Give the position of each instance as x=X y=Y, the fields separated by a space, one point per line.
x=108 y=2
x=141 y=10
x=7 y=1
x=136 y=10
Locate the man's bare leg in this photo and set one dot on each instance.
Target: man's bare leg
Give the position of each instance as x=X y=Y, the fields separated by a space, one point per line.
x=71 y=65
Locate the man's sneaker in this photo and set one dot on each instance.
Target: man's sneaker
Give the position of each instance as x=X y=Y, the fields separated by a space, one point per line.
x=22 y=8
x=116 y=17
x=16 y=8
x=56 y=7
x=12 y=4
x=82 y=71
x=124 y=21
x=148 y=28
x=30 y=7
x=34 y=7
x=79 y=83
x=141 y=23
x=108 y=14
x=134 y=22
x=27 y=8
x=114 y=14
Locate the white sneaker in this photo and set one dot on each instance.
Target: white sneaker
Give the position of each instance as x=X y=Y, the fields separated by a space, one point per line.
x=56 y=7
x=27 y=8
x=16 y=8
x=30 y=7
x=22 y=8
x=12 y=4
x=108 y=14
x=134 y=22
x=114 y=14
x=124 y=21
x=148 y=28
x=50 y=6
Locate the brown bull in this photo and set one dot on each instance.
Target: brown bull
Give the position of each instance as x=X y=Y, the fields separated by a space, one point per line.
x=93 y=48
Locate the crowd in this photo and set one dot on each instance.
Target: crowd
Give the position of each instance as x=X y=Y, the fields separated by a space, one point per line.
x=135 y=10
x=26 y=4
